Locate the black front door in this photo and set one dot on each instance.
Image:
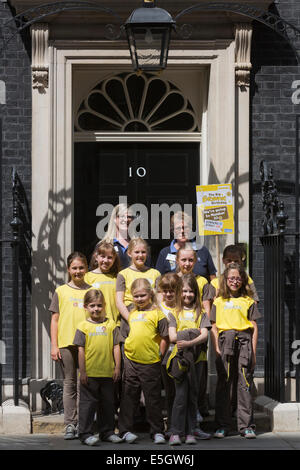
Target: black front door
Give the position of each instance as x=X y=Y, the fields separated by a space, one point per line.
x=146 y=173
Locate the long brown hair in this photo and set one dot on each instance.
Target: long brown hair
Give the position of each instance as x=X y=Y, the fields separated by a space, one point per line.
x=244 y=289
x=190 y=280
x=74 y=255
x=100 y=250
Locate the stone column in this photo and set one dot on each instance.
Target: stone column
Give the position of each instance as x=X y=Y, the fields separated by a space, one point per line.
x=41 y=164
x=243 y=36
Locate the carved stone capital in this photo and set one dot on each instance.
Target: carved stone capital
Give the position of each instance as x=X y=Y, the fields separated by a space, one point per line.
x=243 y=37
x=40 y=63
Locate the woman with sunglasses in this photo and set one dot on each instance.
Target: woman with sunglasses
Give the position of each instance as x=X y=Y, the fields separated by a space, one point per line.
x=234 y=336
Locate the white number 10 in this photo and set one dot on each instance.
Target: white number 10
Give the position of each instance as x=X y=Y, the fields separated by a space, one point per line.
x=141 y=172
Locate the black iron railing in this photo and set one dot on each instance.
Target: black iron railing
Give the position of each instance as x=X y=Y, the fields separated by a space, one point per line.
x=281 y=293
x=16 y=225
x=274 y=318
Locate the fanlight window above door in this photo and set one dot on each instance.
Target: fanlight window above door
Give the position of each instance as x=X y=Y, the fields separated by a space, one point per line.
x=131 y=103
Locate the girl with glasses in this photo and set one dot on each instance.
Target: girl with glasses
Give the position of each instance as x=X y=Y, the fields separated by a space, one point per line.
x=234 y=336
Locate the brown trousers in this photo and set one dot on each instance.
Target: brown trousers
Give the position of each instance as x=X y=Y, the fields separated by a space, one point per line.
x=148 y=378
x=232 y=371
x=184 y=413
x=96 y=396
x=71 y=389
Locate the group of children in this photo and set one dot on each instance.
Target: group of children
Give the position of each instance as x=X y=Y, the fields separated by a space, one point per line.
x=132 y=331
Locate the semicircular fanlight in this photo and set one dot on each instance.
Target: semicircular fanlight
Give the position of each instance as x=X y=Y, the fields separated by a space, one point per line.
x=135 y=103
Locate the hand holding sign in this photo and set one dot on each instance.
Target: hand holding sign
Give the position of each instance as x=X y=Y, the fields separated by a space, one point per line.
x=215 y=211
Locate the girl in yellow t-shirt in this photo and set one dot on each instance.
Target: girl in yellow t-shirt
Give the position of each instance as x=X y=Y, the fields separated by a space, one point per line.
x=146 y=342
x=169 y=295
x=67 y=312
x=104 y=277
x=99 y=360
x=233 y=254
x=137 y=251
x=186 y=259
x=188 y=329
x=234 y=334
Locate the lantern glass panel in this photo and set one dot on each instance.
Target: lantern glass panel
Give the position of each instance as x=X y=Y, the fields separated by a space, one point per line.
x=149 y=47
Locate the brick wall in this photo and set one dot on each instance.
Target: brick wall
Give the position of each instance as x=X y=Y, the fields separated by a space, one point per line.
x=15 y=133
x=273 y=133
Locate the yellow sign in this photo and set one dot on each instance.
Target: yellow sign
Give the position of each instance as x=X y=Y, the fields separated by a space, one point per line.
x=215 y=209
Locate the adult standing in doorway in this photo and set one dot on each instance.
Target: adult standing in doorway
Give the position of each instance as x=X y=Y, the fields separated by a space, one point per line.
x=181 y=226
x=117 y=234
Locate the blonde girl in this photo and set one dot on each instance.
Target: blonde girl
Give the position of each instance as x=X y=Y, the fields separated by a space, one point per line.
x=169 y=295
x=67 y=308
x=137 y=251
x=186 y=259
x=104 y=277
x=234 y=334
x=146 y=343
x=99 y=360
x=181 y=225
x=188 y=329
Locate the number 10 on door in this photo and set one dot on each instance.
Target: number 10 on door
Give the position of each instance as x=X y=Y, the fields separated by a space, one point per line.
x=140 y=172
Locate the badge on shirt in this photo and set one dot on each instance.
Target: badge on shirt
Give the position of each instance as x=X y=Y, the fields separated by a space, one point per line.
x=172 y=260
x=188 y=315
x=78 y=304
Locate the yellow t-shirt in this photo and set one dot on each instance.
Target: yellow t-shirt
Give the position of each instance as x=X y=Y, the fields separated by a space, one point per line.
x=142 y=343
x=107 y=284
x=187 y=319
x=201 y=281
x=131 y=275
x=71 y=313
x=98 y=348
x=165 y=309
x=232 y=314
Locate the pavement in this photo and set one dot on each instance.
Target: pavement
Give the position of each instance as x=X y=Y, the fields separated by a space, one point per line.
x=267 y=441
x=47 y=434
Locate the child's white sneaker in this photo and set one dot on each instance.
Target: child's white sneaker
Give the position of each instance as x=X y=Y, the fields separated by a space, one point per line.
x=159 y=439
x=91 y=441
x=114 y=439
x=129 y=437
x=70 y=432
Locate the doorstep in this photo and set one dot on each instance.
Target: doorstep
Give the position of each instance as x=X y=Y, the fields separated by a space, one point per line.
x=48 y=424
x=54 y=423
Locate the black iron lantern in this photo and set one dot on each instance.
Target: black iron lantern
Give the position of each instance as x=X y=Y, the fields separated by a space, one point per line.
x=148 y=32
